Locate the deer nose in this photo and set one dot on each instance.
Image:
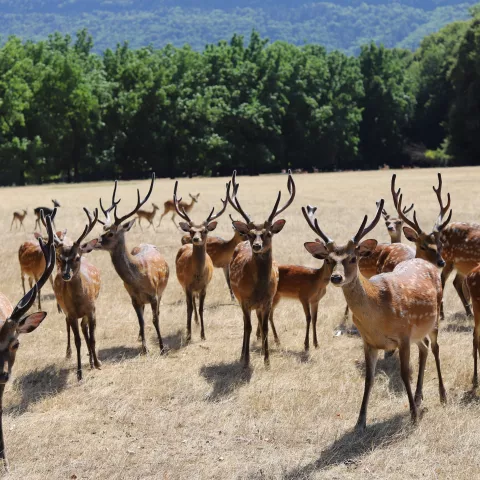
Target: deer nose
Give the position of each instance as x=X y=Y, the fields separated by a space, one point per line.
x=391 y=228
x=4 y=376
x=441 y=262
x=66 y=276
x=336 y=279
x=256 y=247
x=196 y=240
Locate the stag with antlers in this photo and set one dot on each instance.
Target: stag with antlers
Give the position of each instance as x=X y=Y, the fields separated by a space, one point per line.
x=253 y=273
x=15 y=321
x=143 y=270
x=194 y=265
x=391 y=310
x=77 y=286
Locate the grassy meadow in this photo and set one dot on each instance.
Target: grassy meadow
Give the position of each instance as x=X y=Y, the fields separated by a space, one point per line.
x=194 y=412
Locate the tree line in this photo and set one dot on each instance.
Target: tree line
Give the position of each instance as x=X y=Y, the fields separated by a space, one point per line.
x=69 y=114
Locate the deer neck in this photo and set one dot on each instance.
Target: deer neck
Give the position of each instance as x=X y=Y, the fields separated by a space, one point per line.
x=264 y=264
x=397 y=238
x=123 y=262
x=360 y=295
x=199 y=254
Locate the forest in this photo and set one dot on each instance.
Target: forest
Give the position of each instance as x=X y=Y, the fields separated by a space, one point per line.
x=337 y=25
x=70 y=114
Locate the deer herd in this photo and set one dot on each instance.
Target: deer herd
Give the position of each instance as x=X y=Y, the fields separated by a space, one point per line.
x=394 y=291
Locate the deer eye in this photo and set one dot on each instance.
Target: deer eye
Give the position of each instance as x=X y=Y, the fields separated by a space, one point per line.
x=110 y=235
x=353 y=260
x=14 y=346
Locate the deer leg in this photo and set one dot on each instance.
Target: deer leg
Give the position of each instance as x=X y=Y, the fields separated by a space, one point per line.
x=69 y=348
x=195 y=308
x=308 y=319
x=78 y=343
x=86 y=336
x=458 y=283
x=190 y=303
x=476 y=338
x=92 y=326
x=161 y=218
x=404 y=351
x=272 y=324
x=371 y=356
x=140 y=223
x=247 y=330
x=345 y=315
x=422 y=360
x=436 y=353
x=226 y=272
x=314 y=313
x=151 y=224
x=173 y=220
x=259 y=327
x=22 y=225
x=22 y=276
x=155 y=304
x=39 y=296
x=201 y=302
x=3 y=455
x=446 y=271
x=264 y=315
x=11 y=225
x=139 y=309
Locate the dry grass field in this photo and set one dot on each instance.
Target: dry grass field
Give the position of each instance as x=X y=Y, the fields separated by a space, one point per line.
x=194 y=412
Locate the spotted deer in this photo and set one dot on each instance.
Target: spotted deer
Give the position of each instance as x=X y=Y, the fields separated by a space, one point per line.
x=18 y=217
x=46 y=211
x=15 y=322
x=77 y=286
x=391 y=310
x=473 y=284
x=193 y=264
x=148 y=216
x=253 y=272
x=144 y=270
x=221 y=251
x=169 y=206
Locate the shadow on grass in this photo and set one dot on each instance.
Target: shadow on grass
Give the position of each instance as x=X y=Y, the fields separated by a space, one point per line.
x=36 y=385
x=391 y=368
x=470 y=397
x=349 y=448
x=225 y=378
x=174 y=341
x=48 y=296
x=456 y=328
x=301 y=356
x=117 y=354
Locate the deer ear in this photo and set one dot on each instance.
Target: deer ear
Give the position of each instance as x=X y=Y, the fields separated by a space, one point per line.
x=185 y=226
x=37 y=235
x=278 y=226
x=241 y=227
x=212 y=226
x=31 y=322
x=366 y=248
x=411 y=234
x=316 y=249
x=89 y=246
x=127 y=226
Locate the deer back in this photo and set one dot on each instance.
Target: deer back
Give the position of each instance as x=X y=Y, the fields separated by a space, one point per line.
x=461 y=245
x=31 y=258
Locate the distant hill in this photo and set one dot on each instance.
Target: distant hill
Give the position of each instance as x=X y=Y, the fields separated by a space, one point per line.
x=343 y=24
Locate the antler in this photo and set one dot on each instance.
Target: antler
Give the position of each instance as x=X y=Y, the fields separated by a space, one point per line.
x=362 y=231
x=308 y=213
x=180 y=210
x=49 y=253
x=233 y=200
x=224 y=206
x=291 y=190
x=443 y=210
x=397 y=200
x=88 y=228
x=108 y=220
x=118 y=220
x=57 y=241
x=395 y=196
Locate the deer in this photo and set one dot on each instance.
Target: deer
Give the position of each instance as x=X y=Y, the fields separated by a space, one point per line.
x=253 y=272
x=18 y=217
x=220 y=252
x=47 y=211
x=193 y=264
x=170 y=207
x=77 y=286
x=391 y=310
x=148 y=216
x=15 y=322
x=473 y=284
x=144 y=270
x=307 y=285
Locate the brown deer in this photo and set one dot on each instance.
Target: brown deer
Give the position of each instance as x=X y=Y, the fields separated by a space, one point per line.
x=473 y=283
x=194 y=265
x=148 y=216
x=15 y=321
x=391 y=310
x=143 y=270
x=253 y=273
x=46 y=211
x=77 y=286
x=221 y=251
x=170 y=207
x=18 y=217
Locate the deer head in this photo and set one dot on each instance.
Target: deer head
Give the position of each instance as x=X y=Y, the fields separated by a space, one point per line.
x=260 y=234
x=114 y=229
x=429 y=245
x=55 y=203
x=343 y=260
x=198 y=232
